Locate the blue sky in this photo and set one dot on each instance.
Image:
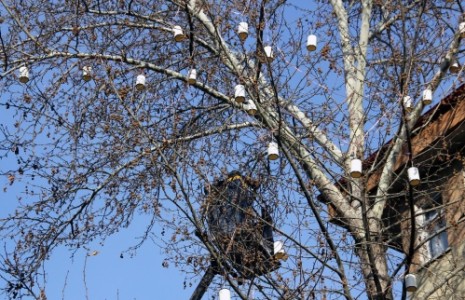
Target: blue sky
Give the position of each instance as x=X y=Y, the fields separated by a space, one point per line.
x=108 y=275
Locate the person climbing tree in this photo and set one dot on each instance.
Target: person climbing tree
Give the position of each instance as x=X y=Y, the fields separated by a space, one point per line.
x=242 y=237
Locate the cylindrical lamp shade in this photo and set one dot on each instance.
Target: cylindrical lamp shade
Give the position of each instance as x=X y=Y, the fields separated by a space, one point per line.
x=462 y=29
x=410 y=282
x=269 y=53
x=356 y=168
x=239 y=93
x=427 y=96
x=408 y=104
x=87 y=73
x=251 y=108
x=192 y=76
x=140 y=82
x=224 y=294
x=413 y=176
x=243 y=31
x=454 y=66
x=311 y=42
x=178 y=34
x=23 y=74
x=279 y=252
x=273 y=151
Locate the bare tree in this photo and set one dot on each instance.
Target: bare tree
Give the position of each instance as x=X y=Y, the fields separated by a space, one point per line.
x=107 y=124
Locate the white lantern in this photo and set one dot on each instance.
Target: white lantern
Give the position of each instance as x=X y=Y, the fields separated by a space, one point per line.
x=454 y=66
x=192 y=76
x=243 y=31
x=273 y=151
x=408 y=104
x=251 y=108
x=269 y=53
x=311 y=42
x=87 y=73
x=140 y=82
x=178 y=34
x=239 y=93
x=356 y=168
x=462 y=29
x=427 y=96
x=225 y=294
x=23 y=74
x=413 y=176
x=279 y=252
x=266 y=55
x=410 y=282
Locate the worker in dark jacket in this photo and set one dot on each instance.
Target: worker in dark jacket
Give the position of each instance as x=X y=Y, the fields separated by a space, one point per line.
x=243 y=239
x=237 y=229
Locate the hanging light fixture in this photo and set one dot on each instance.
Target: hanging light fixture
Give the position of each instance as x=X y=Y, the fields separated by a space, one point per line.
x=23 y=74
x=140 y=82
x=87 y=73
x=179 y=35
x=273 y=151
x=311 y=42
x=454 y=66
x=427 y=97
x=243 y=31
x=413 y=176
x=239 y=93
x=279 y=252
x=410 y=282
x=269 y=53
x=251 y=108
x=462 y=29
x=192 y=76
x=224 y=294
x=356 y=168
x=408 y=104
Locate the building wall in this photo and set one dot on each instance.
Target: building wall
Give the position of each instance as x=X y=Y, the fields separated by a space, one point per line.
x=443 y=277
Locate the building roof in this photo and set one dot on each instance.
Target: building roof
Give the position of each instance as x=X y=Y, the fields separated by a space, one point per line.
x=436 y=123
x=442 y=120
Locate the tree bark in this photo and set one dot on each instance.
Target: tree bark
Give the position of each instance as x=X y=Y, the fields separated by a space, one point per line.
x=380 y=265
